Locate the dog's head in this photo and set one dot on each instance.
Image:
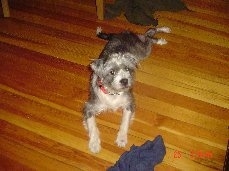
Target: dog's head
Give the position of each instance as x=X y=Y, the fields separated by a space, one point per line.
x=115 y=72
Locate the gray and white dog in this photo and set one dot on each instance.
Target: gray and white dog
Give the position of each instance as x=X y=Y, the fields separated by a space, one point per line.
x=113 y=77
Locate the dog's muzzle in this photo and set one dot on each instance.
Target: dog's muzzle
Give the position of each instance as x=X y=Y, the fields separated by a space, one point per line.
x=124 y=82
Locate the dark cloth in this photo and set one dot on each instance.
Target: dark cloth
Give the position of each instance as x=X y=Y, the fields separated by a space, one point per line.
x=142 y=158
x=141 y=11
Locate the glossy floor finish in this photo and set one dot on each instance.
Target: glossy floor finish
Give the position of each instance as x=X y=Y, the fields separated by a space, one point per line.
x=181 y=90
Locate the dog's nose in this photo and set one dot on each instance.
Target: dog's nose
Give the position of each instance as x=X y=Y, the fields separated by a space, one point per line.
x=124 y=81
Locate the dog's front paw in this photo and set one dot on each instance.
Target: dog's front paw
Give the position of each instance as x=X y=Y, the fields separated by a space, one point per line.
x=121 y=140
x=94 y=145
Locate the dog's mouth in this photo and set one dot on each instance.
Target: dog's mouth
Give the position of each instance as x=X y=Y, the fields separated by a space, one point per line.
x=114 y=88
x=123 y=84
x=119 y=89
x=124 y=87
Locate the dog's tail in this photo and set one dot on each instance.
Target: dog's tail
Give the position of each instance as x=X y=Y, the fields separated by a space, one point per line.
x=103 y=35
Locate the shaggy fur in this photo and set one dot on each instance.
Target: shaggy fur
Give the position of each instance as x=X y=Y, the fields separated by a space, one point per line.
x=113 y=77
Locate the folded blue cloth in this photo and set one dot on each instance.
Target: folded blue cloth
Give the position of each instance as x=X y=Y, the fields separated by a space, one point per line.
x=142 y=158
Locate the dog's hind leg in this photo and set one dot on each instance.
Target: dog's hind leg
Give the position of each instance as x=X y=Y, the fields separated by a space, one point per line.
x=152 y=31
x=163 y=30
x=158 y=41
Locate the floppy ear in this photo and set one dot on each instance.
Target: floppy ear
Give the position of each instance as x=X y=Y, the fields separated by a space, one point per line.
x=97 y=66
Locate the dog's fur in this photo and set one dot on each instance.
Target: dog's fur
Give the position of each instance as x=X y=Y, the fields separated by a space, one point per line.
x=113 y=77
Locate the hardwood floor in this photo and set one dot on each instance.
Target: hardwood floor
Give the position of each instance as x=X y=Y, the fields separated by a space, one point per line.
x=181 y=90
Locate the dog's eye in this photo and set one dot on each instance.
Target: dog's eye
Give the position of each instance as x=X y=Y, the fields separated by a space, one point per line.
x=112 y=72
x=127 y=69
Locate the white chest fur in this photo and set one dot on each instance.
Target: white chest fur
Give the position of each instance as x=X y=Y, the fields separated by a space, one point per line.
x=112 y=102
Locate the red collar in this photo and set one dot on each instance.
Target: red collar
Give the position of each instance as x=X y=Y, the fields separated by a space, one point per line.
x=101 y=86
x=103 y=89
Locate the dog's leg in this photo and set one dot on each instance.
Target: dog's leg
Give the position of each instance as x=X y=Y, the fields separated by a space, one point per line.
x=94 y=140
x=163 y=30
x=122 y=134
x=158 y=41
x=152 y=31
x=149 y=35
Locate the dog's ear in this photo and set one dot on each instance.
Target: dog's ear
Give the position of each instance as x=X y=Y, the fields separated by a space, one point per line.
x=134 y=62
x=97 y=66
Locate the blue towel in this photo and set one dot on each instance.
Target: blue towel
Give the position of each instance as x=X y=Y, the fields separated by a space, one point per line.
x=142 y=158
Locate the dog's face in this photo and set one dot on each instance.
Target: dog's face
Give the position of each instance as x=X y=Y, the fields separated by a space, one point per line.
x=116 y=71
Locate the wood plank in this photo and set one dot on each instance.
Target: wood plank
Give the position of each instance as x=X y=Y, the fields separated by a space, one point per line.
x=181 y=90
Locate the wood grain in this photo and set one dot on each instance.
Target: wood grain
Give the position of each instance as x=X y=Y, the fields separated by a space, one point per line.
x=181 y=90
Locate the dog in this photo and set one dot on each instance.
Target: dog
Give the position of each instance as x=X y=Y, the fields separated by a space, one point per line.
x=113 y=77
